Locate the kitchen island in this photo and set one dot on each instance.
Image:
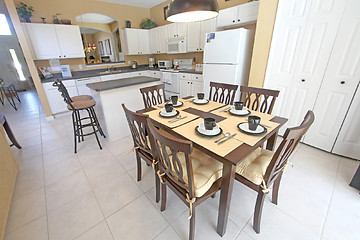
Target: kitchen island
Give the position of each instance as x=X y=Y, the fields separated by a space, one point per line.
x=109 y=96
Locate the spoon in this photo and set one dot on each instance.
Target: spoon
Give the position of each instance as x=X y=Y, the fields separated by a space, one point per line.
x=174 y=119
x=226 y=135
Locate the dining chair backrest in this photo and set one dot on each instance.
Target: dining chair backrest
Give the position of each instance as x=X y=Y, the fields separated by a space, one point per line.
x=153 y=95
x=222 y=92
x=290 y=140
x=138 y=128
x=173 y=156
x=259 y=99
x=64 y=93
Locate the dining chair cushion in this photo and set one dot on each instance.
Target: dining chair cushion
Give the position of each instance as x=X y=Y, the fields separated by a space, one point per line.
x=78 y=105
x=81 y=98
x=206 y=171
x=253 y=167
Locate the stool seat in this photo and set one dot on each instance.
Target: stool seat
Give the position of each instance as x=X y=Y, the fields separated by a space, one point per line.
x=80 y=105
x=81 y=98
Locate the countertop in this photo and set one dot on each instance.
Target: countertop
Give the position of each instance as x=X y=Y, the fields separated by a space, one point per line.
x=124 y=82
x=100 y=72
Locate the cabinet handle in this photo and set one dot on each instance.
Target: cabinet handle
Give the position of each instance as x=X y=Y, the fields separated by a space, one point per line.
x=238 y=20
x=233 y=20
x=342 y=82
x=303 y=80
x=64 y=56
x=59 y=56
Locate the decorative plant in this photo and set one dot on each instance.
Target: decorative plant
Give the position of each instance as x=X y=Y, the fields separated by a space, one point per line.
x=148 y=23
x=25 y=11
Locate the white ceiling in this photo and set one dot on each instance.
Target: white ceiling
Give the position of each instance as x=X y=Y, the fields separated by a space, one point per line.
x=94 y=18
x=136 y=3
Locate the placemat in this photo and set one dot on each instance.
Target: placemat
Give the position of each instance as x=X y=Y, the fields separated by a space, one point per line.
x=203 y=114
x=154 y=114
x=230 y=125
x=188 y=131
x=220 y=112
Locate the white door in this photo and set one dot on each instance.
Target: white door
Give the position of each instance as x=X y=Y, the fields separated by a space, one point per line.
x=348 y=141
x=43 y=40
x=300 y=52
x=340 y=81
x=131 y=41
x=207 y=26
x=182 y=29
x=70 y=41
x=185 y=88
x=154 y=40
x=163 y=37
x=227 y=17
x=193 y=39
x=172 y=30
x=144 y=41
x=248 y=12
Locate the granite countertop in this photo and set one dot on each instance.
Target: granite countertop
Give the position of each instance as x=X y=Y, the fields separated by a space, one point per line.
x=124 y=82
x=100 y=72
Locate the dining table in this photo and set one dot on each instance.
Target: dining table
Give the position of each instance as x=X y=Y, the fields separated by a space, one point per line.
x=231 y=153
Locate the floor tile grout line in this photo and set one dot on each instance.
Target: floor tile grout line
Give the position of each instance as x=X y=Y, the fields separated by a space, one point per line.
x=243 y=228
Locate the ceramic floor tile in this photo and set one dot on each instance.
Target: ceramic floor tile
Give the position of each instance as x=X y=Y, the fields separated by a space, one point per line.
x=61 y=170
x=244 y=236
x=52 y=145
x=147 y=177
x=205 y=225
x=58 y=155
x=35 y=230
x=65 y=190
x=127 y=160
x=121 y=146
x=168 y=233
x=28 y=183
x=138 y=220
x=26 y=209
x=116 y=194
x=74 y=218
x=99 y=232
x=31 y=165
x=27 y=153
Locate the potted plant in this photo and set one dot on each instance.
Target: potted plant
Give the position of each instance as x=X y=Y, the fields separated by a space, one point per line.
x=25 y=11
x=148 y=23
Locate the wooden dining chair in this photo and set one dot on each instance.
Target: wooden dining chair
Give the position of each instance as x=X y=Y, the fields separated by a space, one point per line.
x=139 y=132
x=153 y=95
x=192 y=175
x=263 y=168
x=259 y=99
x=222 y=92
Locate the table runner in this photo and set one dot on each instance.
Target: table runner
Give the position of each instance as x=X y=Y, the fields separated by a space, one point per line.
x=154 y=114
x=230 y=125
x=188 y=131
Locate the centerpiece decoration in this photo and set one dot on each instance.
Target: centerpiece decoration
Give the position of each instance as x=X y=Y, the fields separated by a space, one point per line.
x=148 y=24
x=25 y=11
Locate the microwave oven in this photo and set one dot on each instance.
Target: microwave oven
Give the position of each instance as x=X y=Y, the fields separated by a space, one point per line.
x=177 y=45
x=165 y=64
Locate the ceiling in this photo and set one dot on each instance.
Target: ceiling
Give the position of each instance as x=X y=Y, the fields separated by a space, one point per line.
x=86 y=30
x=94 y=18
x=136 y=3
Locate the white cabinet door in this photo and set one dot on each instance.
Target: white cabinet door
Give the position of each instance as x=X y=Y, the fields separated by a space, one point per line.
x=143 y=41
x=348 y=141
x=154 y=40
x=172 y=30
x=339 y=85
x=43 y=40
x=70 y=42
x=247 y=13
x=196 y=87
x=193 y=36
x=227 y=17
x=182 y=29
x=185 y=88
x=206 y=27
x=163 y=37
x=131 y=42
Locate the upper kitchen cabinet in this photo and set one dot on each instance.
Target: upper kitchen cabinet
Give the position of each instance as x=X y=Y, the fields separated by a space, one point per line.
x=158 y=40
x=197 y=34
x=50 y=41
x=238 y=15
x=177 y=29
x=136 y=41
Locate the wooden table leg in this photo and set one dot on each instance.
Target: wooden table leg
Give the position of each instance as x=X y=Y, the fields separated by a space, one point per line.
x=227 y=183
x=9 y=132
x=271 y=142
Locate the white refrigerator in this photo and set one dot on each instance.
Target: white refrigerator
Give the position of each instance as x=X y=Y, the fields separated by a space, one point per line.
x=227 y=57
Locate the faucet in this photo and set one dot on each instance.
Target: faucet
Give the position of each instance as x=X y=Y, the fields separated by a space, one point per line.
x=111 y=69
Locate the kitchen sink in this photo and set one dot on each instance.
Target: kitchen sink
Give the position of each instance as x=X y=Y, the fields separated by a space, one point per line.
x=108 y=72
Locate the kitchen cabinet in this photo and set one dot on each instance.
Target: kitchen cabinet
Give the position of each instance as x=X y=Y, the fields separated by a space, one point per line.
x=114 y=76
x=140 y=73
x=190 y=84
x=50 y=41
x=56 y=101
x=156 y=74
x=136 y=41
x=177 y=29
x=81 y=85
x=239 y=15
x=197 y=34
x=158 y=39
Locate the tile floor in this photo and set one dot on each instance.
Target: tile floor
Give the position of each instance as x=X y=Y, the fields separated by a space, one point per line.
x=94 y=194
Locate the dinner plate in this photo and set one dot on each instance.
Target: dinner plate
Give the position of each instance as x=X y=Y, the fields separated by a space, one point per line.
x=244 y=127
x=210 y=133
x=200 y=102
x=178 y=104
x=165 y=114
x=242 y=112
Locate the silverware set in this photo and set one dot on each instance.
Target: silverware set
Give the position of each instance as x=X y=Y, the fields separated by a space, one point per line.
x=178 y=118
x=227 y=138
x=225 y=109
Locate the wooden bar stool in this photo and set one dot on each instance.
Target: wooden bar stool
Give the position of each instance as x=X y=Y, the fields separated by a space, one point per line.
x=79 y=123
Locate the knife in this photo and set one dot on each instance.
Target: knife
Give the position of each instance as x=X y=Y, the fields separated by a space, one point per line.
x=225 y=109
x=227 y=138
x=177 y=119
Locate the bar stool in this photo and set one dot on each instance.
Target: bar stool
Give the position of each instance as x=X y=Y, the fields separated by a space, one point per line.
x=79 y=123
x=10 y=93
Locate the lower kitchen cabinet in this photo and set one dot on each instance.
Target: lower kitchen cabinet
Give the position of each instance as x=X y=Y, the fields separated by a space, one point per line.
x=56 y=101
x=190 y=87
x=81 y=85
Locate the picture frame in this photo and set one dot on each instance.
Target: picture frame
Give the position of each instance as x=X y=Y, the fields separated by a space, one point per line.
x=101 y=47
x=107 y=47
x=165 y=10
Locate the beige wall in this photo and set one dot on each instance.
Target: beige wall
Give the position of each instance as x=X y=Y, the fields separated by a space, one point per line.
x=8 y=172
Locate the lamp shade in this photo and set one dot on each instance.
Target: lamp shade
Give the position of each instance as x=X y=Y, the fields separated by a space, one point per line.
x=191 y=10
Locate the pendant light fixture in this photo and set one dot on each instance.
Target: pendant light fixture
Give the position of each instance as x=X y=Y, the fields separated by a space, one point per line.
x=191 y=10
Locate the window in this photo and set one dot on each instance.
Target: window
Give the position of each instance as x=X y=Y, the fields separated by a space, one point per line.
x=4 y=26
x=17 y=65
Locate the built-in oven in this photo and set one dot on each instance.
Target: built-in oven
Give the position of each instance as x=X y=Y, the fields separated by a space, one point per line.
x=171 y=81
